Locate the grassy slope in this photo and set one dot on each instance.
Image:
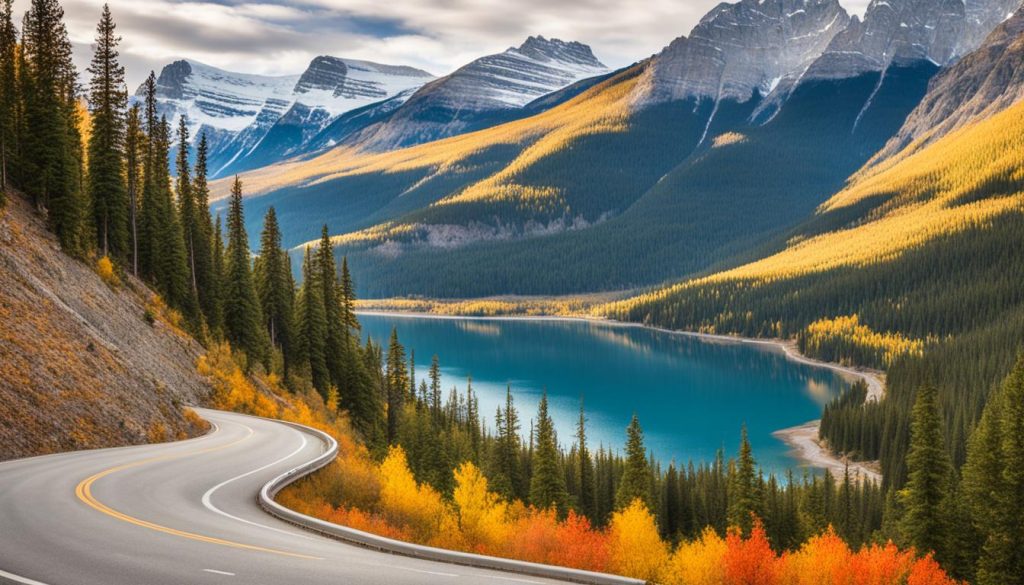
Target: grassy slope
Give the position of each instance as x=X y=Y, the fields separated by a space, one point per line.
x=79 y=366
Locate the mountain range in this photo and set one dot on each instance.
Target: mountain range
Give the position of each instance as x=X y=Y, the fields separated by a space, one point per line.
x=700 y=157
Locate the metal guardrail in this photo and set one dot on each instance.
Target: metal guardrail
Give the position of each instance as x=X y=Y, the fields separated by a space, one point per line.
x=388 y=545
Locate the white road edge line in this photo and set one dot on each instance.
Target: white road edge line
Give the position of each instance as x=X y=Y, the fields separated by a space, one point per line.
x=207 y=497
x=512 y=579
x=215 y=571
x=425 y=572
x=19 y=579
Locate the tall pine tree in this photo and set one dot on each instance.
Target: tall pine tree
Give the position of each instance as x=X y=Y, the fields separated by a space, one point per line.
x=584 y=469
x=10 y=96
x=202 y=239
x=547 y=483
x=745 y=498
x=134 y=156
x=52 y=155
x=274 y=286
x=108 y=100
x=243 y=320
x=922 y=524
x=311 y=326
x=636 y=478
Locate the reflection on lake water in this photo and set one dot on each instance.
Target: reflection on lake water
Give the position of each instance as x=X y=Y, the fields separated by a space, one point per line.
x=692 y=395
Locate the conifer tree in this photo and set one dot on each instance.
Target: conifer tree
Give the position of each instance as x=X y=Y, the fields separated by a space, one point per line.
x=170 y=265
x=52 y=151
x=584 y=468
x=134 y=155
x=744 y=496
x=547 y=482
x=311 y=325
x=922 y=524
x=10 y=96
x=202 y=252
x=348 y=296
x=150 y=221
x=435 y=386
x=215 y=318
x=332 y=309
x=274 y=286
x=636 y=477
x=186 y=203
x=397 y=382
x=994 y=483
x=108 y=99
x=243 y=321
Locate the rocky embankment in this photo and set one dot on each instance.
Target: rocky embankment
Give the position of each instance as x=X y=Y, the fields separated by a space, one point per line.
x=81 y=366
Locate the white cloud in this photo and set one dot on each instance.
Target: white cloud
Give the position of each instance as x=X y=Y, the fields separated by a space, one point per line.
x=282 y=36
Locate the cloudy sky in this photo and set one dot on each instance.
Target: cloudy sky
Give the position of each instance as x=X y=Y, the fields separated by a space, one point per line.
x=282 y=36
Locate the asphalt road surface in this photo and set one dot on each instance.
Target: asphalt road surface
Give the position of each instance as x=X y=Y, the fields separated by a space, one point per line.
x=185 y=513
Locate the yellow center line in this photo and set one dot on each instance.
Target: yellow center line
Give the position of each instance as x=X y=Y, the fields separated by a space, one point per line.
x=84 y=492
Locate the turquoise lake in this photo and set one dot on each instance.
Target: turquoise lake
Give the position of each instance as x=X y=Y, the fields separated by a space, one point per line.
x=692 y=395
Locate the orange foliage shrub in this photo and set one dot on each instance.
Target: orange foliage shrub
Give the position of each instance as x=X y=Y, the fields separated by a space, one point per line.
x=751 y=561
x=822 y=559
x=579 y=546
x=927 y=572
x=635 y=548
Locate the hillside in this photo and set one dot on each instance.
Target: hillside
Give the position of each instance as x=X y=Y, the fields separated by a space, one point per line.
x=80 y=367
x=913 y=266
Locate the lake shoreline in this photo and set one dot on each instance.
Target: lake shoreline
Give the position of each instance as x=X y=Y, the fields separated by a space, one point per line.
x=803 y=439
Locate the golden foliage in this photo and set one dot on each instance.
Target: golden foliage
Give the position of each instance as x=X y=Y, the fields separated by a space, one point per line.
x=846 y=340
x=698 y=562
x=482 y=514
x=404 y=502
x=105 y=269
x=927 y=192
x=636 y=549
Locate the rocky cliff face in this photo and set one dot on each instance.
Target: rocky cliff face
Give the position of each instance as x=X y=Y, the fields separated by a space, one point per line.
x=744 y=47
x=238 y=111
x=482 y=92
x=80 y=366
x=900 y=31
x=980 y=84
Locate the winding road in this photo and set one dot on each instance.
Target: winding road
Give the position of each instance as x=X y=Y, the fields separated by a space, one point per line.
x=185 y=513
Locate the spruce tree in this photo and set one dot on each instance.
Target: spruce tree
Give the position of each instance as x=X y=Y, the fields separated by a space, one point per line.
x=52 y=143
x=243 y=321
x=10 y=96
x=584 y=468
x=332 y=309
x=150 y=221
x=547 y=483
x=215 y=318
x=170 y=264
x=922 y=524
x=744 y=496
x=202 y=228
x=311 y=326
x=397 y=382
x=348 y=296
x=108 y=100
x=994 y=483
x=186 y=204
x=636 y=477
x=134 y=155
x=274 y=286
x=435 y=386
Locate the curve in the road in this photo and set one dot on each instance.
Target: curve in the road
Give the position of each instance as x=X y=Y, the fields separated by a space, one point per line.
x=185 y=512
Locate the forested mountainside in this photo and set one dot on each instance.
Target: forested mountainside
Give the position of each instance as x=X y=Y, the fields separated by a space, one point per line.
x=725 y=140
x=88 y=359
x=913 y=267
